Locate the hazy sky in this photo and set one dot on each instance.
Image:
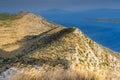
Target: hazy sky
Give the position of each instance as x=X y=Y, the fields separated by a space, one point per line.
x=72 y=5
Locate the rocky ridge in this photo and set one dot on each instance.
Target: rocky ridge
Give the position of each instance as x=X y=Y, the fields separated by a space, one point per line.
x=32 y=40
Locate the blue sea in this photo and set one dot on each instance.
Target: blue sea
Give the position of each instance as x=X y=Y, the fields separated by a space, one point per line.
x=106 y=33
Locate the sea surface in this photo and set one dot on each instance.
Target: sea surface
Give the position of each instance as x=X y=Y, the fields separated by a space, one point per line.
x=104 y=31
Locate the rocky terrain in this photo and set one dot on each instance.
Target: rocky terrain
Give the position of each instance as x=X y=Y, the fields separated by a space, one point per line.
x=31 y=40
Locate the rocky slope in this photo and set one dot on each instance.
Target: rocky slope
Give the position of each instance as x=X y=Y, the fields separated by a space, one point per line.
x=31 y=40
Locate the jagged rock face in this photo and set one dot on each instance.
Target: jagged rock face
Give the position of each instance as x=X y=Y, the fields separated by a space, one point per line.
x=92 y=55
x=52 y=44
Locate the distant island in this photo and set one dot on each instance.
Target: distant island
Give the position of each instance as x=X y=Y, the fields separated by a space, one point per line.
x=113 y=20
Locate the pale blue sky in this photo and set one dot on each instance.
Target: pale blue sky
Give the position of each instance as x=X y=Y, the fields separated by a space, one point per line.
x=72 y=5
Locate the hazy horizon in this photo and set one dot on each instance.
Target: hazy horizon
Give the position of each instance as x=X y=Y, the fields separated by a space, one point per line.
x=68 y=5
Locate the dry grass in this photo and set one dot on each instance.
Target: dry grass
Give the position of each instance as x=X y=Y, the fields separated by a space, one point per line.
x=55 y=74
x=58 y=73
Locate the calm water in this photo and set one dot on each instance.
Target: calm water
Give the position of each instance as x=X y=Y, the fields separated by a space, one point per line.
x=104 y=33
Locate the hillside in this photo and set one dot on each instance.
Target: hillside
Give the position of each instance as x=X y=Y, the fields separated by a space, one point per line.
x=31 y=40
x=12 y=31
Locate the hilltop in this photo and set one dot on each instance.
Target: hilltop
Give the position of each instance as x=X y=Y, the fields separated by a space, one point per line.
x=31 y=40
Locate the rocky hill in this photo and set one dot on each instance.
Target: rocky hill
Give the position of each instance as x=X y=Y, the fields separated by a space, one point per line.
x=31 y=40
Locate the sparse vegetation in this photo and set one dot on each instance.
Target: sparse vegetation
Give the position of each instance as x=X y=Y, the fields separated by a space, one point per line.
x=7 y=16
x=47 y=72
x=56 y=73
x=39 y=43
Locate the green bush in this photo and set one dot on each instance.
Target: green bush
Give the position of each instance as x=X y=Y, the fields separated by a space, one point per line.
x=7 y=16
